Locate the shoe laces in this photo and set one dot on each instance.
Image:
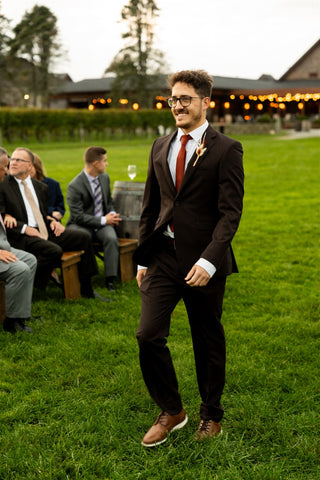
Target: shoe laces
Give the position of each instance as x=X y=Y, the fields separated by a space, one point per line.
x=205 y=426
x=162 y=419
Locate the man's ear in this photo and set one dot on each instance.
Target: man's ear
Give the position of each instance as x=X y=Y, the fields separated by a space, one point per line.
x=206 y=102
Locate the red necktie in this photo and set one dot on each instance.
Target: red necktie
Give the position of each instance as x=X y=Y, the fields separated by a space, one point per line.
x=181 y=160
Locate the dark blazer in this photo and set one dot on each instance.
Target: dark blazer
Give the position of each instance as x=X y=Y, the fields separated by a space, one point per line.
x=206 y=210
x=81 y=200
x=56 y=200
x=11 y=202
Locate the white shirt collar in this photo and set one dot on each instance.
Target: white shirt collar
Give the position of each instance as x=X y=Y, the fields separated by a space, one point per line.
x=27 y=180
x=90 y=177
x=195 y=134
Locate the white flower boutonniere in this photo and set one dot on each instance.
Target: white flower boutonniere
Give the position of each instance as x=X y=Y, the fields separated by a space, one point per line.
x=201 y=149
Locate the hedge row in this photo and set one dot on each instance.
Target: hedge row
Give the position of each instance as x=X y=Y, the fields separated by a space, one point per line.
x=27 y=124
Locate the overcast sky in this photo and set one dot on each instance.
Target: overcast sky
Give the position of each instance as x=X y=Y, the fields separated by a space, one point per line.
x=236 y=38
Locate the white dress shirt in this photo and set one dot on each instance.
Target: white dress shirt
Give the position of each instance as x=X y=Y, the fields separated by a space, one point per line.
x=172 y=160
x=31 y=218
x=196 y=136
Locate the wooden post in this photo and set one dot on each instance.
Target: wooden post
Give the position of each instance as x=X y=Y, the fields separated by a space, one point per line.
x=70 y=275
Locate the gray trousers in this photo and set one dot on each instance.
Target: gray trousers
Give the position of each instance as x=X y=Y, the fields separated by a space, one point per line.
x=108 y=238
x=19 y=279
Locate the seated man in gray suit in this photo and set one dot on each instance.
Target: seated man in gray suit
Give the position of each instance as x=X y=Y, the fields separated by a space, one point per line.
x=17 y=269
x=91 y=208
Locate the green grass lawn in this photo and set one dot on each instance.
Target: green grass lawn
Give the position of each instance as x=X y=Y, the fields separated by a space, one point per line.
x=73 y=404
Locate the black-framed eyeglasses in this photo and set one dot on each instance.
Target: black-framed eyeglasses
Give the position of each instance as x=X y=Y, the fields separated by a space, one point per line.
x=185 y=101
x=19 y=160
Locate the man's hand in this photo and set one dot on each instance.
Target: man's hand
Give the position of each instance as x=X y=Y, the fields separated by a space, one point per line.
x=197 y=277
x=113 y=219
x=140 y=275
x=57 y=228
x=9 y=221
x=57 y=215
x=32 y=232
x=7 y=257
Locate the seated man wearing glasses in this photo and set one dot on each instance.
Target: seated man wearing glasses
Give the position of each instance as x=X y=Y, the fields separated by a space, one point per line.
x=17 y=270
x=34 y=231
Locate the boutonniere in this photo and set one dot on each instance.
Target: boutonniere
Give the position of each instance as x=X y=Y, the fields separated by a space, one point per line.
x=201 y=148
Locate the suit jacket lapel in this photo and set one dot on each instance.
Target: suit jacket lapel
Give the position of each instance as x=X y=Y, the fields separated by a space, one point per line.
x=17 y=194
x=86 y=184
x=104 y=188
x=163 y=158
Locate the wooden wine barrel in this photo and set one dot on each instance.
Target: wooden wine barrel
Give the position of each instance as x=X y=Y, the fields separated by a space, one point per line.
x=127 y=199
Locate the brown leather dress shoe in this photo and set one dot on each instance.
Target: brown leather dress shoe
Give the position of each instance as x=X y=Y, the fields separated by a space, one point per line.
x=163 y=425
x=208 y=429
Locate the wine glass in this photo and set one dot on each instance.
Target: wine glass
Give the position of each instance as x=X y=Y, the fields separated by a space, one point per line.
x=132 y=171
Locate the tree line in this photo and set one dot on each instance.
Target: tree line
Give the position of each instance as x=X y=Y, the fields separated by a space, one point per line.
x=29 y=49
x=26 y=54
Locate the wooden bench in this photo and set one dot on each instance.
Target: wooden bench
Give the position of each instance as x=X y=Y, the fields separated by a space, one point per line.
x=126 y=265
x=70 y=275
x=2 y=302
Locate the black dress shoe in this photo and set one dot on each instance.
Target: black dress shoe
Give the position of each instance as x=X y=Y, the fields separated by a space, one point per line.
x=86 y=288
x=109 y=283
x=20 y=326
x=100 y=297
x=13 y=325
x=56 y=281
x=87 y=294
x=8 y=325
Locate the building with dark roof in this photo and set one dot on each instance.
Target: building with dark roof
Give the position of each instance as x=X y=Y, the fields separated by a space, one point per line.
x=296 y=93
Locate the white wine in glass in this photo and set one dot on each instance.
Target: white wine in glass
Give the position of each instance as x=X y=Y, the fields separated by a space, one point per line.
x=132 y=171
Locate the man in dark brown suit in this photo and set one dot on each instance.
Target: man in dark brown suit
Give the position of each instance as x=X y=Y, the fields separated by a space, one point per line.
x=185 y=252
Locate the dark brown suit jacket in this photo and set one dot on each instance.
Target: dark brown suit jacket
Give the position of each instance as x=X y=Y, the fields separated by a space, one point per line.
x=207 y=209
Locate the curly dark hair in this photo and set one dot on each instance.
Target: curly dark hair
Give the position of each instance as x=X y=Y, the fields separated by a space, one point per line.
x=200 y=80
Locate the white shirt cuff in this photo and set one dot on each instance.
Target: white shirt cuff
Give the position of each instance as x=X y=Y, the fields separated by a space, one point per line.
x=208 y=266
x=141 y=267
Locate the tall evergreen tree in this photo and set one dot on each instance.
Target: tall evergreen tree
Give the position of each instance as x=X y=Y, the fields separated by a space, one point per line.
x=35 y=38
x=138 y=64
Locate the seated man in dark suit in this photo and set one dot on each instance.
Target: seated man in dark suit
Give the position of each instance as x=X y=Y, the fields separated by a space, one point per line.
x=17 y=270
x=91 y=208
x=26 y=200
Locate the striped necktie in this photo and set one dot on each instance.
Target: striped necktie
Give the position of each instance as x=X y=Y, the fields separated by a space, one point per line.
x=98 y=210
